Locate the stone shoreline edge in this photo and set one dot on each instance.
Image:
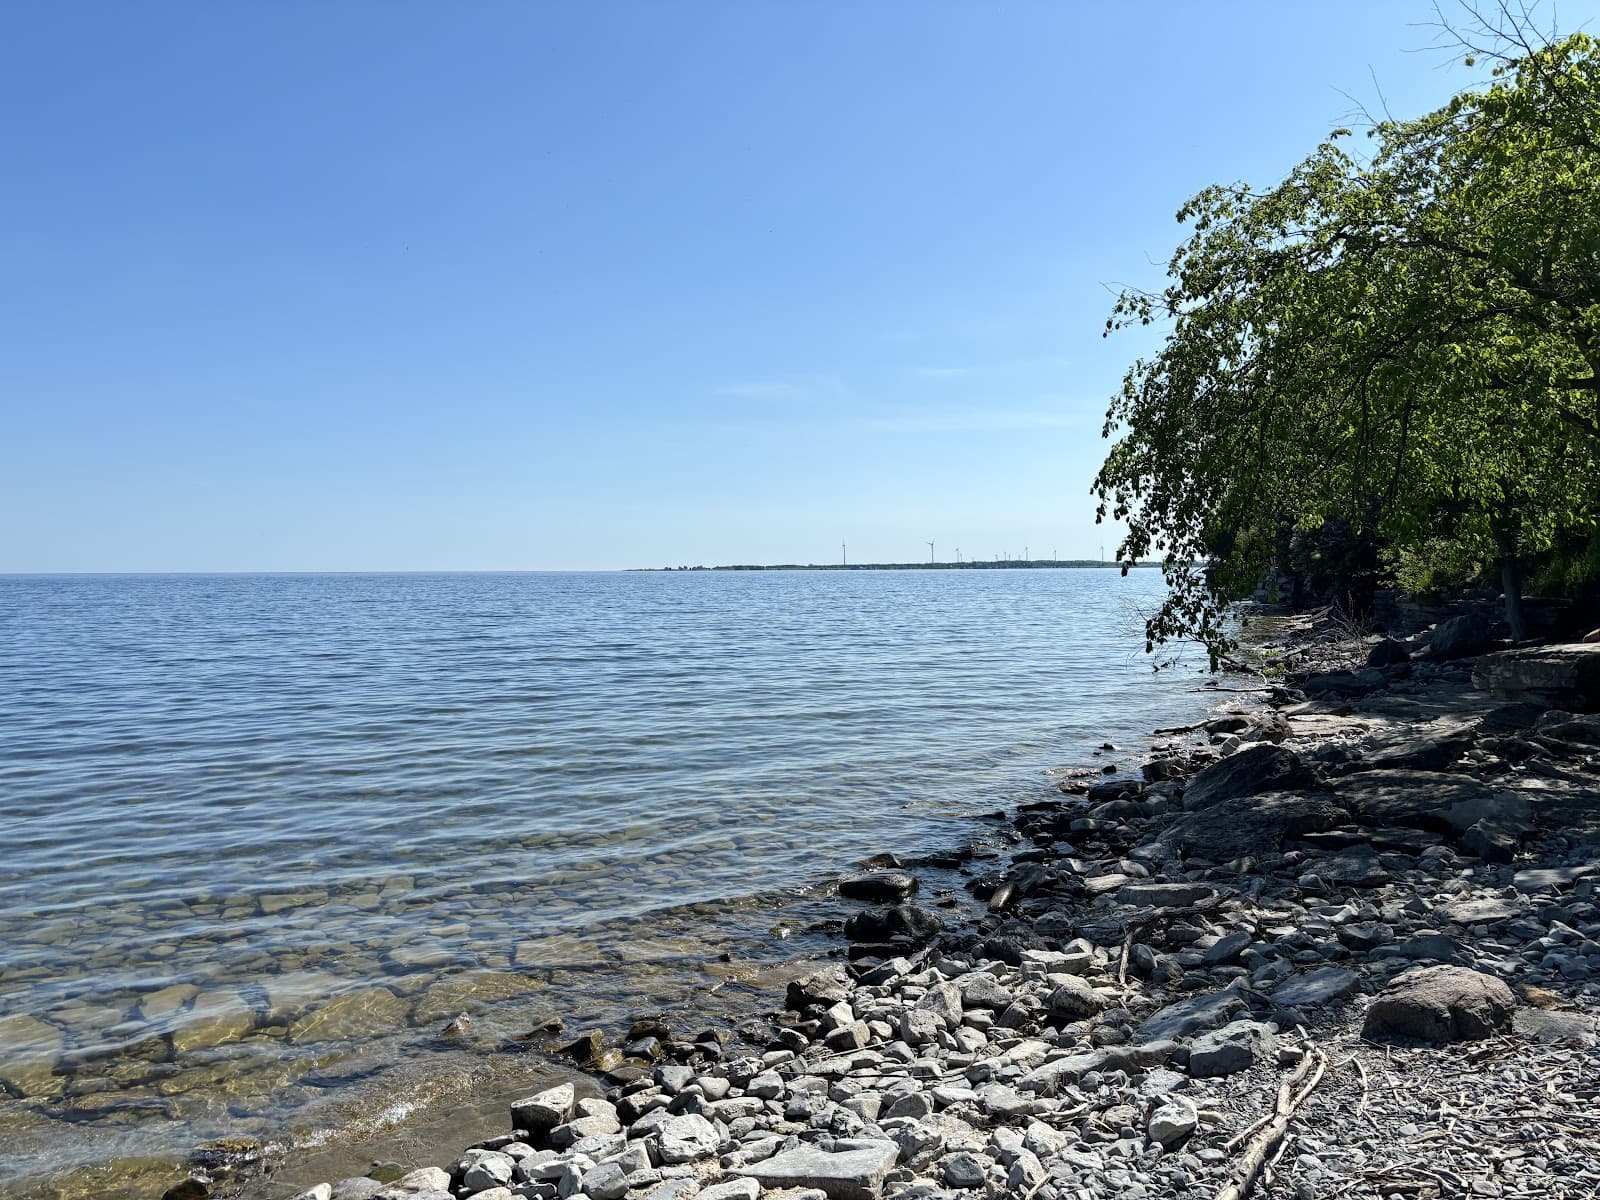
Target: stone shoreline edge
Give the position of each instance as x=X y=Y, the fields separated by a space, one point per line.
x=1389 y=870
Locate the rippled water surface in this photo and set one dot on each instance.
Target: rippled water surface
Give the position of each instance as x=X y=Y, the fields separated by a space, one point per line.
x=265 y=835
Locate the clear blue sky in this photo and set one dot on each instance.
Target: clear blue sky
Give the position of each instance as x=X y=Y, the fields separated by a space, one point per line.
x=362 y=286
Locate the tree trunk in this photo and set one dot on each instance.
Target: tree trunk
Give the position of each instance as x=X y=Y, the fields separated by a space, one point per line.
x=1511 y=583
x=1361 y=582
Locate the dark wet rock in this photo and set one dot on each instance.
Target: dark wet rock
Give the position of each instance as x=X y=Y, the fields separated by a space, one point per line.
x=900 y=922
x=1429 y=800
x=825 y=988
x=1364 y=936
x=1357 y=866
x=1441 y=1004
x=1158 y=769
x=1387 y=653
x=1189 y=1016
x=1517 y=717
x=1418 y=754
x=854 y=1170
x=1233 y=723
x=1494 y=840
x=1459 y=637
x=1314 y=988
x=1348 y=685
x=879 y=887
x=586 y=1047
x=1112 y=789
x=1257 y=769
x=1253 y=825
x=1557 y=676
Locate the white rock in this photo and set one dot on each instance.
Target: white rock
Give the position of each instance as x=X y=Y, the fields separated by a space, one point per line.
x=1173 y=1121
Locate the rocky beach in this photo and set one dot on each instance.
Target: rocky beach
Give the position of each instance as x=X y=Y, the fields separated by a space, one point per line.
x=1339 y=939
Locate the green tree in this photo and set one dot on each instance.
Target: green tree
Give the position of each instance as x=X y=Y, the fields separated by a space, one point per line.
x=1402 y=344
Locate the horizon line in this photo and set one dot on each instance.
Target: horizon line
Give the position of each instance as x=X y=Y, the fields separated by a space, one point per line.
x=981 y=564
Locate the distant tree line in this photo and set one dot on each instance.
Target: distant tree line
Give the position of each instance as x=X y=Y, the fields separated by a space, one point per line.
x=965 y=565
x=1384 y=367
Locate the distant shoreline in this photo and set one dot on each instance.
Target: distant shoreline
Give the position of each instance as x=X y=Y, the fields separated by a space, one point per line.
x=1007 y=564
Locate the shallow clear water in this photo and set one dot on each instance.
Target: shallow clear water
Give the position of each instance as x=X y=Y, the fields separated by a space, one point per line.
x=230 y=800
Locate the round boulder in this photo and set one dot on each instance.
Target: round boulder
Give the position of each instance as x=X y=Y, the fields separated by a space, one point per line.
x=1441 y=1004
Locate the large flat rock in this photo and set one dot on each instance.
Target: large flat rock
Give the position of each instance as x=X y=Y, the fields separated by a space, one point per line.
x=1561 y=676
x=1256 y=824
x=1262 y=768
x=1315 y=988
x=1429 y=800
x=1192 y=1015
x=854 y=1173
x=365 y=1013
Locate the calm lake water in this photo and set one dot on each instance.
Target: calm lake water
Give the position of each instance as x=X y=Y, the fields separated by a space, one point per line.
x=266 y=835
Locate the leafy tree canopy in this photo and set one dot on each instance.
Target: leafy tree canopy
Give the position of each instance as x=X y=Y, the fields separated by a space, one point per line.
x=1409 y=344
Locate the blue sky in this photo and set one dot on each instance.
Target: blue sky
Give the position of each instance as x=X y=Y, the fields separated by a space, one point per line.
x=364 y=286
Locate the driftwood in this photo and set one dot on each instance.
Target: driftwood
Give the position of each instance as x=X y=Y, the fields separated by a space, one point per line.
x=1265 y=1142
x=1139 y=926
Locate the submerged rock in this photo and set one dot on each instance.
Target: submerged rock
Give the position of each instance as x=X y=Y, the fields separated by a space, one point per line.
x=905 y=922
x=357 y=1014
x=29 y=1049
x=217 y=1017
x=879 y=887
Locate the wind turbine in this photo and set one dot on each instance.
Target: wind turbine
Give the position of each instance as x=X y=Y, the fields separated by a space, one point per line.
x=930 y=554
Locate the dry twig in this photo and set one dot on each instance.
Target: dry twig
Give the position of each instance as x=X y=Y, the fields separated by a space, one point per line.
x=1269 y=1138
